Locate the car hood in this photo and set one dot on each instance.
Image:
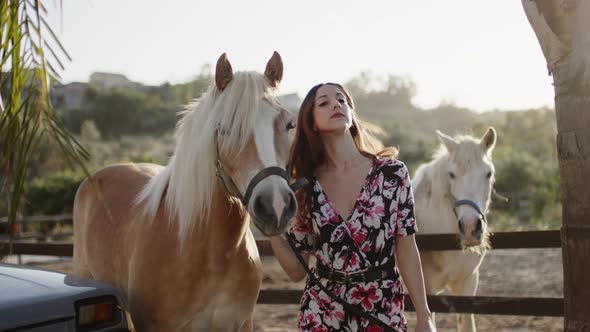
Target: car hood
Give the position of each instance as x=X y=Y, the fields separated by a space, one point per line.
x=28 y=293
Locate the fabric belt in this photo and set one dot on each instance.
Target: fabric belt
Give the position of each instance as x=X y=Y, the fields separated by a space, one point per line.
x=375 y=273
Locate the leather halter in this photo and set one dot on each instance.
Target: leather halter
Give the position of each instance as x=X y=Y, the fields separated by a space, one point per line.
x=230 y=186
x=473 y=205
x=459 y=202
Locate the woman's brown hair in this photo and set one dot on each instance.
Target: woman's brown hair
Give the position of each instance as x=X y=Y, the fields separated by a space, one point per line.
x=308 y=151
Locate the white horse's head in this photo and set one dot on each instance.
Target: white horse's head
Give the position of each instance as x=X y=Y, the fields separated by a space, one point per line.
x=470 y=175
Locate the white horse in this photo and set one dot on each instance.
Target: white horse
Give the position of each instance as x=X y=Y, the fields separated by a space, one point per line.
x=452 y=195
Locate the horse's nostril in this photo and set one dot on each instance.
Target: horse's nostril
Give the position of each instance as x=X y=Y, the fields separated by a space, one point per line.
x=479 y=225
x=460 y=223
x=263 y=209
x=260 y=209
x=258 y=205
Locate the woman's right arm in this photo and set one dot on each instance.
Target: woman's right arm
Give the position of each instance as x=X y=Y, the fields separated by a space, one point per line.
x=287 y=258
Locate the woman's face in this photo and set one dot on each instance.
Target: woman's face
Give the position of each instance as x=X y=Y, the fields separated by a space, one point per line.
x=331 y=112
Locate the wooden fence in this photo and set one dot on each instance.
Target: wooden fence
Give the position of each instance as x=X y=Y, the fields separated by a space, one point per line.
x=523 y=306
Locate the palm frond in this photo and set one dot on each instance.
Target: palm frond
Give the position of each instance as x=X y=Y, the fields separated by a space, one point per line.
x=29 y=50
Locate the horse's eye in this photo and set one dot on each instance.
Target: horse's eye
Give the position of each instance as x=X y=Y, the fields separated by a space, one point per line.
x=290 y=125
x=451 y=175
x=489 y=175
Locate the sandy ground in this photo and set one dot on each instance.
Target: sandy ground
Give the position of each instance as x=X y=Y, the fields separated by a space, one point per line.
x=522 y=272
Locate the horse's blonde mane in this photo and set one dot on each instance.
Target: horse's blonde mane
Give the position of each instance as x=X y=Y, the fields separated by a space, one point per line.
x=188 y=183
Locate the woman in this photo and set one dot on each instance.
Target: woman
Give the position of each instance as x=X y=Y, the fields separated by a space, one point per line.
x=354 y=236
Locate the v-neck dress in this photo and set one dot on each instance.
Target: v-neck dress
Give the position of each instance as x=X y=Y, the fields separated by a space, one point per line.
x=383 y=212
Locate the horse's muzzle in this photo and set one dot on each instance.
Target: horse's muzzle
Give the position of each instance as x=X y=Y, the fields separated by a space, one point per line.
x=471 y=232
x=272 y=214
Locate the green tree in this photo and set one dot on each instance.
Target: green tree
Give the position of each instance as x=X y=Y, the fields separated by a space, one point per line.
x=118 y=113
x=183 y=93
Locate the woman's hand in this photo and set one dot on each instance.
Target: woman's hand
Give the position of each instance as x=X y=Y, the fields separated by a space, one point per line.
x=408 y=260
x=287 y=258
x=425 y=325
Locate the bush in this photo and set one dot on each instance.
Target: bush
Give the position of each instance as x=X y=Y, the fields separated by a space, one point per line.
x=53 y=194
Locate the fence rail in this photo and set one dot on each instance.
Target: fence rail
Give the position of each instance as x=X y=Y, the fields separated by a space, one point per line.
x=521 y=306
x=39 y=219
x=502 y=240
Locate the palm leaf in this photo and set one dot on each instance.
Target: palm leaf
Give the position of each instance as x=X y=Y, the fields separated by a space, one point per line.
x=28 y=51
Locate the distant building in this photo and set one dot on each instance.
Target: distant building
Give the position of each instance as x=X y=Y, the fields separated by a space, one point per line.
x=78 y=95
x=70 y=96
x=291 y=101
x=105 y=82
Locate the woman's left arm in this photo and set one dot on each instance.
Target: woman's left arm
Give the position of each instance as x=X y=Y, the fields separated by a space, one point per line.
x=408 y=261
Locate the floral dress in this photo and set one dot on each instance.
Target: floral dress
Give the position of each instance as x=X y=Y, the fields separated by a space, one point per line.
x=383 y=212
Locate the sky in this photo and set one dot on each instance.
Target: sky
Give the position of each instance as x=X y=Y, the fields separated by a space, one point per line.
x=477 y=54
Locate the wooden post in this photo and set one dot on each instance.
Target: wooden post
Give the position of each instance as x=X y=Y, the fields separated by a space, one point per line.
x=563 y=30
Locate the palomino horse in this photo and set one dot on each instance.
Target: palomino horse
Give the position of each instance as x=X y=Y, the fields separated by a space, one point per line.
x=176 y=239
x=452 y=194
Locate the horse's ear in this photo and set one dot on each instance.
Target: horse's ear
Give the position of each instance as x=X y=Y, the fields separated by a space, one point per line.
x=447 y=140
x=274 y=70
x=223 y=72
x=488 y=140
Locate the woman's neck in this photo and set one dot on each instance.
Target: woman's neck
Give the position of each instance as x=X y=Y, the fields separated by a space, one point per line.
x=341 y=152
